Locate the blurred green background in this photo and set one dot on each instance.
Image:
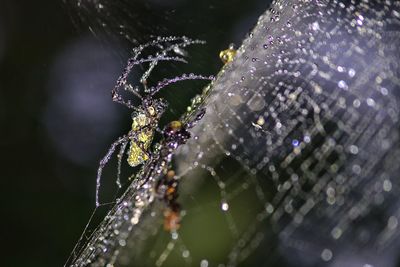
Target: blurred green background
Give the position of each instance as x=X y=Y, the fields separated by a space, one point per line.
x=56 y=115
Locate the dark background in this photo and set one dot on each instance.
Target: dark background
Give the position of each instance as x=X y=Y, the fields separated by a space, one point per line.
x=56 y=115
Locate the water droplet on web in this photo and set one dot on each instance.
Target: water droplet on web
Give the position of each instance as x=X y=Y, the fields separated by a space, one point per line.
x=295 y=142
x=315 y=26
x=204 y=263
x=387 y=185
x=384 y=91
x=256 y=103
x=356 y=103
x=336 y=232
x=224 y=206
x=260 y=121
x=352 y=73
x=326 y=254
x=342 y=84
x=185 y=253
x=174 y=235
x=353 y=149
x=370 y=102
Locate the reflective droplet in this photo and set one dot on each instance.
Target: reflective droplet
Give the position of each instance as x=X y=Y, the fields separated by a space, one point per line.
x=352 y=72
x=295 y=142
x=326 y=254
x=342 y=84
x=224 y=206
x=204 y=263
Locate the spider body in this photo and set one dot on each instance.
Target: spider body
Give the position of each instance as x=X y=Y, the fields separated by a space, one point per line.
x=144 y=122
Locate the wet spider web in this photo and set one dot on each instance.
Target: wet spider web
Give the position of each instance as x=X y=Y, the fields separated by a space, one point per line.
x=296 y=160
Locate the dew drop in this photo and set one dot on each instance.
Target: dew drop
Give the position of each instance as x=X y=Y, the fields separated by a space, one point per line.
x=204 y=263
x=342 y=84
x=326 y=254
x=295 y=142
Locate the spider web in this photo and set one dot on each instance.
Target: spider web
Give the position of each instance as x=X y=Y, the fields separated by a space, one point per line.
x=296 y=160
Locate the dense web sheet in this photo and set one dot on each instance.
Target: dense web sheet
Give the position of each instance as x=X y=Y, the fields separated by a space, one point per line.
x=296 y=160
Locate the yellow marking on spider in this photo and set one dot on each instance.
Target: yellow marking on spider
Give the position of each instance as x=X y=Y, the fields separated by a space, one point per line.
x=140 y=143
x=227 y=55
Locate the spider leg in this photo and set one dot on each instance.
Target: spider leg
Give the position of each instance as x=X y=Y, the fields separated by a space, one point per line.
x=120 y=155
x=159 y=42
x=154 y=60
x=146 y=152
x=104 y=161
x=160 y=56
x=184 y=42
x=155 y=89
x=137 y=51
x=122 y=80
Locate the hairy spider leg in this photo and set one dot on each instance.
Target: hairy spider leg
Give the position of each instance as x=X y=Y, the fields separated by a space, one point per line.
x=160 y=56
x=123 y=141
x=157 y=42
x=120 y=155
x=122 y=80
x=105 y=159
x=183 y=77
x=185 y=42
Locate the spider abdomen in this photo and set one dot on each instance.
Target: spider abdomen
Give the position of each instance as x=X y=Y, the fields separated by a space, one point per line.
x=141 y=140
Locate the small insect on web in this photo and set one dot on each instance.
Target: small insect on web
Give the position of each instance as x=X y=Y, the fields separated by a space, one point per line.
x=146 y=116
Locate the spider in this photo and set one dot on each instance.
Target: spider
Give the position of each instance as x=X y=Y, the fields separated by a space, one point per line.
x=146 y=116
